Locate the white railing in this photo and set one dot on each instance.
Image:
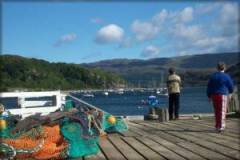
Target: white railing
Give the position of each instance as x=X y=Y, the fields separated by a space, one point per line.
x=26 y=107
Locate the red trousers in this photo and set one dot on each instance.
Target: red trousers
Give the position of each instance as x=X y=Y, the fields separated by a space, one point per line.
x=220 y=109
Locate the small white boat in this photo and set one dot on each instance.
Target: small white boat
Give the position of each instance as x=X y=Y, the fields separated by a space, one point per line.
x=106 y=93
x=162 y=92
x=120 y=91
x=89 y=95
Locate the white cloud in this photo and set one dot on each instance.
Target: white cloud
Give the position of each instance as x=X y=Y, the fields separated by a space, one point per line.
x=67 y=38
x=218 y=34
x=203 y=28
x=187 y=14
x=150 y=51
x=160 y=17
x=206 y=8
x=229 y=13
x=183 y=16
x=190 y=32
x=229 y=19
x=148 y=30
x=209 y=41
x=208 y=44
x=109 y=34
x=144 y=30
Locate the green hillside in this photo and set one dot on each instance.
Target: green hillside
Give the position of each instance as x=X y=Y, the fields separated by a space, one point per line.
x=194 y=69
x=34 y=74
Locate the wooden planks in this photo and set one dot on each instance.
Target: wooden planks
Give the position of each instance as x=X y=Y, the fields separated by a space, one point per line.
x=215 y=138
x=199 y=141
x=177 y=149
x=231 y=132
x=125 y=149
x=165 y=152
x=174 y=140
x=110 y=151
x=143 y=150
x=99 y=156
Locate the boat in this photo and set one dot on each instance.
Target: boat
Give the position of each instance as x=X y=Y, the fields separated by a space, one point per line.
x=120 y=91
x=162 y=92
x=106 y=93
x=88 y=95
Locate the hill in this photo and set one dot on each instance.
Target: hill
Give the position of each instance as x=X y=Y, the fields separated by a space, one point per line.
x=194 y=69
x=34 y=74
x=234 y=72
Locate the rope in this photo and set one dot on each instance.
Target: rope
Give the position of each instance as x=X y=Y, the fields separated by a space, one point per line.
x=33 y=150
x=9 y=150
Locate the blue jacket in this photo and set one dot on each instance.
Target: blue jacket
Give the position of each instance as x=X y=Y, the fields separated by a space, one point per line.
x=219 y=83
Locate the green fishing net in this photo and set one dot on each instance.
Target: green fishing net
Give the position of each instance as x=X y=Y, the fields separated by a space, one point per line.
x=68 y=105
x=81 y=129
x=10 y=126
x=119 y=126
x=78 y=145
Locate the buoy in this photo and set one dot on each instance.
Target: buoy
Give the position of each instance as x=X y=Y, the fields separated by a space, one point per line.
x=3 y=124
x=112 y=119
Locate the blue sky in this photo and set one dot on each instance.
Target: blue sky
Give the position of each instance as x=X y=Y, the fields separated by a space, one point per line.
x=85 y=32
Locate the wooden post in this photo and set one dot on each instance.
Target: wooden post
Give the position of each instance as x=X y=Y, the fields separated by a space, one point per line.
x=152 y=115
x=238 y=96
x=166 y=114
x=233 y=102
x=162 y=114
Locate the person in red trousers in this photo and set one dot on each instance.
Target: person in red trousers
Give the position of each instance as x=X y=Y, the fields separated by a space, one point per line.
x=219 y=86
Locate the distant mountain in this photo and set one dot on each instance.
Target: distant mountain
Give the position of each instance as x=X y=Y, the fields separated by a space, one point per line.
x=34 y=74
x=234 y=72
x=194 y=69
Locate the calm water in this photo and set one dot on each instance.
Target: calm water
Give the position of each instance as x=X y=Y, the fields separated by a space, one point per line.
x=192 y=100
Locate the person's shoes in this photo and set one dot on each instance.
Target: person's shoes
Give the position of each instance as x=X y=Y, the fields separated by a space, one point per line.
x=219 y=130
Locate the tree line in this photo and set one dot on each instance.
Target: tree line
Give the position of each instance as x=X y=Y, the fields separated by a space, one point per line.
x=34 y=74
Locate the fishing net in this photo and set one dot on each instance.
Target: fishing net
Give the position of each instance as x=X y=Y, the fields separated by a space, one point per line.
x=47 y=143
x=8 y=122
x=78 y=145
x=68 y=105
x=71 y=133
x=119 y=125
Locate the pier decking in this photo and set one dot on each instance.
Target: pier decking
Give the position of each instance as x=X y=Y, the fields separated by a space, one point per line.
x=174 y=140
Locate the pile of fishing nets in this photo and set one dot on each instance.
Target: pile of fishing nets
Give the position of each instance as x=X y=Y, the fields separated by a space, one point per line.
x=71 y=133
x=45 y=142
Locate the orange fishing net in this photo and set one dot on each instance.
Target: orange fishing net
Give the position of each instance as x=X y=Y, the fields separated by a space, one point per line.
x=53 y=147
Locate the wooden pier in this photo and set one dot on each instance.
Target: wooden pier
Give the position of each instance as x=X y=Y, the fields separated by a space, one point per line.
x=184 y=139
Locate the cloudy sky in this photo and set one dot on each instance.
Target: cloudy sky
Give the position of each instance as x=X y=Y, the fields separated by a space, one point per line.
x=83 y=32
